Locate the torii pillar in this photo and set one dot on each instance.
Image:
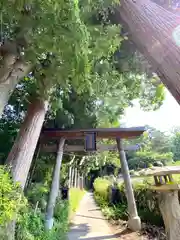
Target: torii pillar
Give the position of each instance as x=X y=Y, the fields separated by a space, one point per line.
x=134 y=222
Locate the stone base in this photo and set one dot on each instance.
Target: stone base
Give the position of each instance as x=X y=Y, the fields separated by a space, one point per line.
x=49 y=224
x=134 y=223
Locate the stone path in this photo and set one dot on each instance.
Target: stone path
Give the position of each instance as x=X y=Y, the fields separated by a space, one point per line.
x=89 y=223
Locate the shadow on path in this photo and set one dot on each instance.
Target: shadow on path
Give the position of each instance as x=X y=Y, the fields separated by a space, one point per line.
x=81 y=231
x=84 y=216
x=90 y=224
x=93 y=210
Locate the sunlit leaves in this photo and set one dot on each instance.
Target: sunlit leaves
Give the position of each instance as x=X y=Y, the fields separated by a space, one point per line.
x=11 y=199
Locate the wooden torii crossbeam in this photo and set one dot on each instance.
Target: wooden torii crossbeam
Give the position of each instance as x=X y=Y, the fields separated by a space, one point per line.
x=90 y=145
x=110 y=133
x=81 y=148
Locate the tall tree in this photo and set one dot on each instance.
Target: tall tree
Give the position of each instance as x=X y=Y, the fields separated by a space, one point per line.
x=30 y=34
x=154 y=30
x=71 y=65
x=82 y=59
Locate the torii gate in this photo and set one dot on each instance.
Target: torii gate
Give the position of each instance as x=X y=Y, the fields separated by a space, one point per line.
x=90 y=145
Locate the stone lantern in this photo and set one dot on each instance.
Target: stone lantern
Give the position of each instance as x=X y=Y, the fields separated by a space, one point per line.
x=168 y=199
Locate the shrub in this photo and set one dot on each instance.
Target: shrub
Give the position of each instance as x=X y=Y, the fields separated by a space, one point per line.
x=38 y=193
x=146 y=200
x=31 y=223
x=74 y=199
x=101 y=186
x=11 y=197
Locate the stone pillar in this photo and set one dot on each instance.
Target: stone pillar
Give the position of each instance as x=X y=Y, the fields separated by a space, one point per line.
x=54 y=187
x=134 y=221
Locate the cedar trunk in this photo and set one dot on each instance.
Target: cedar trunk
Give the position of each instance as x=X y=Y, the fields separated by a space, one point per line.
x=152 y=29
x=20 y=157
x=11 y=71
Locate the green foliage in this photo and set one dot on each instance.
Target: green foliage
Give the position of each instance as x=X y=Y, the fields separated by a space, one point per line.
x=37 y=193
x=81 y=44
x=146 y=200
x=11 y=197
x=143 y=159
x=155 y=147
x=176 y=146
x=74 y=41
x=43 y=168
x=159 y=141
x=75 y=196
x=176 y=163
x=31 y=224
x=114 y=212
x=101 y=186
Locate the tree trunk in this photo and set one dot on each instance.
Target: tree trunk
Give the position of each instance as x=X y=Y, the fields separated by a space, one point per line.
x=33 y=166
x=21 y=154
x=170 y=210
x=75 y=178
x=54 y=187
x=10 y=73
x=134 y=221
x=81 y=182
x=72 y=182
x=70 y=176
x=155 y=32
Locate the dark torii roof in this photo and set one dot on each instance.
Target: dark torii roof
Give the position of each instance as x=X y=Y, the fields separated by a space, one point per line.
x=55 y=133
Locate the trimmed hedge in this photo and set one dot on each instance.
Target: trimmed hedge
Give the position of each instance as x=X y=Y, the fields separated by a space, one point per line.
x=146 y=200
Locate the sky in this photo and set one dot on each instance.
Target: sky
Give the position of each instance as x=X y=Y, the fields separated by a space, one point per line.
x=164 y=119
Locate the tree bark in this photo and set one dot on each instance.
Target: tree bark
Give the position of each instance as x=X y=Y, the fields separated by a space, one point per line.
x=170 y=210
x=73 y=173
x=153 y=31
x=54 y=187
x=134 y=221
x=11 y=71
x=81 y=182
x=21 y=154
x=75 y=178
x=70 y=176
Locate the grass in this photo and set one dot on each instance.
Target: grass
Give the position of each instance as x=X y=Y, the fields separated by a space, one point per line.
x=75 y=197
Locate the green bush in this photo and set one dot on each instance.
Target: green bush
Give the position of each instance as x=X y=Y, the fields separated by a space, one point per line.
x=11 y=197
x=75 y=196
x=143 y=159
x=31 y=223
x=146 y=200
x=38 y=193
x=101 y=186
